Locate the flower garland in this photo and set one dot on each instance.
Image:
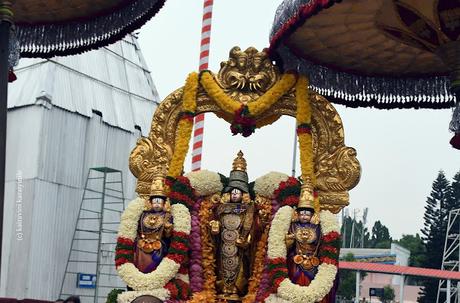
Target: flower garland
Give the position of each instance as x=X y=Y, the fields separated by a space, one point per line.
x=304 y=134
x=244 y=114
x=208 y=294
x=267 y=184
x=288 y=192
x=182 y=192
x=259 y=258
x=185 y=126
x=169 y=265
x=277 y=252
x=205 y=182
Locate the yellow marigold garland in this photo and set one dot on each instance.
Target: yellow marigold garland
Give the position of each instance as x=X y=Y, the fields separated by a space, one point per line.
x=256 y=107
x=185 y=126
x=304 y=129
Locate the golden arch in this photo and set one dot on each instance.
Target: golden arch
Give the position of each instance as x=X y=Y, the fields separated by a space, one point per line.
x=336 y=166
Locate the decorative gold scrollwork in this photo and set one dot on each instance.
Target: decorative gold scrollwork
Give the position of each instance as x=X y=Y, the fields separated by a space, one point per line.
x=246 y=76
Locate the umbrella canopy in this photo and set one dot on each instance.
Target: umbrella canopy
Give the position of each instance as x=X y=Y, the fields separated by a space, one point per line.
x=58 y=28
x=372 y=53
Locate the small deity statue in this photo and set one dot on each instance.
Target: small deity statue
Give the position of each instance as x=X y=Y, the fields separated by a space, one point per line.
x=154 y=229
x=233 y=233
x=303 y=240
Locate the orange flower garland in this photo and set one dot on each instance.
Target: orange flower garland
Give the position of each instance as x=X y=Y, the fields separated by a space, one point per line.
x=185 y=126
x=244 y=114
x=208 y=294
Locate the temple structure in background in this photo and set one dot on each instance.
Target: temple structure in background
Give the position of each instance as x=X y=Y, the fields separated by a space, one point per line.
x=66 y=115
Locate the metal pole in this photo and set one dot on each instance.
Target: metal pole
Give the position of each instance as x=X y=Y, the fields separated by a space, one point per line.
x=401 y=289
x=6 y=16
x=98 y=261
x=358 y=280
x=294 y=151
x=198 y=132
x=448 y=292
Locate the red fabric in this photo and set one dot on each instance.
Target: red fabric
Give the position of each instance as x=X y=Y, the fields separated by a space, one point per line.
x=455 y=141
x=11 y=76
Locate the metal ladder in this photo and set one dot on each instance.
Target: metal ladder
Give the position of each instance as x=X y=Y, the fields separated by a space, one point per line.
x=90 y=270
x=450 y=258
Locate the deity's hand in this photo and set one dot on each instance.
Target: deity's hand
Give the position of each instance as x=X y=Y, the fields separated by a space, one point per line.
x=264 y=216
x=215 y=227
x=289 y=240
x=240 y=242
x=168 y=229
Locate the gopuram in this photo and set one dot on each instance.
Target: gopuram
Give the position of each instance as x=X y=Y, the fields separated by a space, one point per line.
x=222 y=237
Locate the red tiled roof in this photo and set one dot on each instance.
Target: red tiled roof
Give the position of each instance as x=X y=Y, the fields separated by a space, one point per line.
x=401 y=270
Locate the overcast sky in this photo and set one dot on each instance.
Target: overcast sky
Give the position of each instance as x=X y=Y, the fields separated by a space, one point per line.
x=401 y=151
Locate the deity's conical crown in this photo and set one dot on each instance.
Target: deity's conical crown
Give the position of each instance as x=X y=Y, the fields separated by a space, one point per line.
x=239 y=163
x=306 y=199
x=158 y=188
x=238 y=176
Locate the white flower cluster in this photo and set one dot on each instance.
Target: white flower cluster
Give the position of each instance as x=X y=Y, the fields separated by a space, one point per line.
x=278 y=231
x=329 y=222
x=205 y=182
x=182 y=219
x=130 y=218
x=158 y=278
x=318 y=288
x=267 y=184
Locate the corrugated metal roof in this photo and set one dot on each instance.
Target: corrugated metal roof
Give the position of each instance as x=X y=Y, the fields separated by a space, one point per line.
x=114 y=81
x=401 y=270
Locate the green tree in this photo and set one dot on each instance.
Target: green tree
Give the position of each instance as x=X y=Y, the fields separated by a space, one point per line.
x=388 y=294
x=415 y=245
x=380 y=236
x=437 y=208
x=456 y=190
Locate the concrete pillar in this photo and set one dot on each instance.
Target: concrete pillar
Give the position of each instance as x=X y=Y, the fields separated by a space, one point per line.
x=401 y=289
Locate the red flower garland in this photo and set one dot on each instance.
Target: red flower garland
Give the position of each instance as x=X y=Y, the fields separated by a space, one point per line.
x=243 y=122
x=288 y=192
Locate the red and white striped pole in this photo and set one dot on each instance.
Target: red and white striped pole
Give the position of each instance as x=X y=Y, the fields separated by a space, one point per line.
x=204 y=59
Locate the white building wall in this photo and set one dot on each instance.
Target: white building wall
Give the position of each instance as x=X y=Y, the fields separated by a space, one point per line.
x=51 y=179
x=53 y=138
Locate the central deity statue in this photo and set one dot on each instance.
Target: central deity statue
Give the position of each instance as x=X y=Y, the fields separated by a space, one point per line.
x=233 y=231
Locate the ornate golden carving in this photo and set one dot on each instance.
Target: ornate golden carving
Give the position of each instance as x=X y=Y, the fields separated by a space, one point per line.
x=336 y=166
x=247 y=74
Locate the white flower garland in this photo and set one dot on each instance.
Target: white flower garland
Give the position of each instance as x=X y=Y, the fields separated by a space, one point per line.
x=128 y=296
x=167 y=269
x=324 y=279
x=267 y=184
x=275 y=299
x=205 y=182
x=130 y=218
x=278 y=231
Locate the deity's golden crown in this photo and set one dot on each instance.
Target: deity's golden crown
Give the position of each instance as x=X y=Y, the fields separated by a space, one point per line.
x=158 y=188
x=239 y=163
x=306 y=194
